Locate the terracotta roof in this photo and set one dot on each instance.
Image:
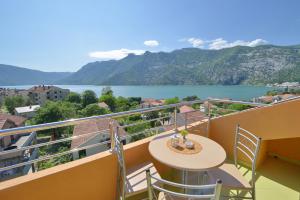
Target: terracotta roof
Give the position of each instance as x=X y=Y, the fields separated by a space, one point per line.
x=191 y=117
x=152 y=102
x=2 y=123
x=6 y=123
x=266 y=99
x=185 y=108
x=92 y=126
x=103 y=105
x=17 y=120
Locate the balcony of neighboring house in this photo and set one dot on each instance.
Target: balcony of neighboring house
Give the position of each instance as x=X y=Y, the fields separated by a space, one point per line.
x=277 y=160
x=11 y=156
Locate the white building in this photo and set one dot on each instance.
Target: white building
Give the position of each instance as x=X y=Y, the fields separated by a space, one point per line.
x=27 y=111
x=40 y=94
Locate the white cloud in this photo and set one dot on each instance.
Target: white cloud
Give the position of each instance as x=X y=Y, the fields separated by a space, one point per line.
x=115 y=54
x=151 y=43
x=196 y=42
x=220 y=43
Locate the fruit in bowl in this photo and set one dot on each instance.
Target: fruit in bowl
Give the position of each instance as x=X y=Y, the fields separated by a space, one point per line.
x=189 y=144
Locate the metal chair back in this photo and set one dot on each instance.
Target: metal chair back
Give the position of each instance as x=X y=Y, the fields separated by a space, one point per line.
x=247 y=144
x=212 y=191
x=121 y=181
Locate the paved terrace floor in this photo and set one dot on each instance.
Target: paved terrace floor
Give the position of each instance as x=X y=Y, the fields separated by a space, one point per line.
x=276 y=180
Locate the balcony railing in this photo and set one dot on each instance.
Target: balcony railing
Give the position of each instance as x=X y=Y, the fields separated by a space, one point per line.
x=158 y=119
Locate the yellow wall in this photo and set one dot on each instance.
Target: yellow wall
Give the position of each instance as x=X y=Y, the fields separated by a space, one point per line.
x=280 y=121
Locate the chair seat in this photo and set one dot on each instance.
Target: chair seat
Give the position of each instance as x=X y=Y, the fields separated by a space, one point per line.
x=230 y=176
x=136 y=181
x=163 y=196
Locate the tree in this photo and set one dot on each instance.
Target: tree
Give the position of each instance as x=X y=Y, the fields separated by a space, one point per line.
x=15 y=101
x=88 y=97
x=73 y=97
x=110 y=100
x=53 y=112
x=107 y=91
x=191 y=98
x=172 y=100
x=122 y=104
x=93 y=109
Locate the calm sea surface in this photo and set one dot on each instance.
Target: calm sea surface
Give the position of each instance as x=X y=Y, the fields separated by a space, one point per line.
x=240 y=92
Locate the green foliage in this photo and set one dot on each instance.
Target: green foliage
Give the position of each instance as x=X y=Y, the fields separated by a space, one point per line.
x=73 y=97
x=272 y=93
x=54 y=111
x=191 y=98
x=110 y=100
x=172 y=100
x=15 y=101
x=107 y=91
x=88 y=97
x=54 y=149
x=135 y=100
x=184 y=133
x=238 y=107
x=122 y=104
x=93 y=109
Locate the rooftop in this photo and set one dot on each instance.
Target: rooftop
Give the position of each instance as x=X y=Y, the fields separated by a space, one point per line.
x=17 y=120
x=27 y=109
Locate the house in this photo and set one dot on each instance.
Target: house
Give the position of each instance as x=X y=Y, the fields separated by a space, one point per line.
x=263 y=99
x=273 y=99
x=40 y=94
x=14 y=142
x=7 y=92
x=97 y=131
x=149 y=102
x=27 y=111
x=103 y=105
x=187 y=115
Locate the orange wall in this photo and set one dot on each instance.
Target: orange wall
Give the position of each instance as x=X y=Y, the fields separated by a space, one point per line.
x=279 y=121
x=285 y=148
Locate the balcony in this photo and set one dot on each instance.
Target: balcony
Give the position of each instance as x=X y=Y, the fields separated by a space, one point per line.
x=95 y=176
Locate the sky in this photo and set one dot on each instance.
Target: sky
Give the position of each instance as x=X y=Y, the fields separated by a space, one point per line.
x=64 y=35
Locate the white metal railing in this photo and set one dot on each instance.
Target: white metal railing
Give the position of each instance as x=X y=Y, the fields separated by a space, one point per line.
x=108 y=142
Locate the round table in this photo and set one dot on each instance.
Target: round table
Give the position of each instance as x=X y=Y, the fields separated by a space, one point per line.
x=212 y=154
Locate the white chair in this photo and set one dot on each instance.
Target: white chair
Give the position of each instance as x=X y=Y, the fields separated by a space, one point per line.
x=132 y=181
x=211 y=191
x=248 y=144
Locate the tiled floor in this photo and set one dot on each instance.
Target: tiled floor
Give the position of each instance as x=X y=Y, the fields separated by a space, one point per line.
x=276 y=180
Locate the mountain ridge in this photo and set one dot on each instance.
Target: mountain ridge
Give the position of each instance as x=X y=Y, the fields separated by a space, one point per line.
x=188 y=66
x=13 y=75
x=229 y=66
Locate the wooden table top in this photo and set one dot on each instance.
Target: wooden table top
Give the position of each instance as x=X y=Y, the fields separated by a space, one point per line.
x=211 y=156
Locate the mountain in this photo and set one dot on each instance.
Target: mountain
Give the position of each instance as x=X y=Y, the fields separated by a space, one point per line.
x=230 y=66
x=12 y=75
